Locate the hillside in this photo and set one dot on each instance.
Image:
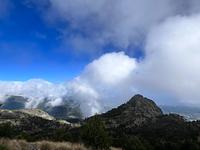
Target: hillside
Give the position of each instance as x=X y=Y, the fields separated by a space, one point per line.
x=33 y=124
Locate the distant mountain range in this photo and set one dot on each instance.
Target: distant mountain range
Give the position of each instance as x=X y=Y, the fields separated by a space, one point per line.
x=188 y=112
x=68 y=110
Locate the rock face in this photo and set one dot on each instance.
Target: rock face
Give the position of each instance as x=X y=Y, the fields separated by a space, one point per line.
x=17 y=115
x=136 y=112
x=36 y=113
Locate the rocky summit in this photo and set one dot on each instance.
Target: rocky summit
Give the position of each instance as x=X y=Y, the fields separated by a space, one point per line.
x=136 y=112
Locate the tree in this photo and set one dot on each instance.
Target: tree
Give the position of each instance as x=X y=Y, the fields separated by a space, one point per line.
x=94 y=134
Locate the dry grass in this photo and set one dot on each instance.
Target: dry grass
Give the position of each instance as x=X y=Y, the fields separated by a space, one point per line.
x=45 y=145
x=42 y=145
x=112 y=148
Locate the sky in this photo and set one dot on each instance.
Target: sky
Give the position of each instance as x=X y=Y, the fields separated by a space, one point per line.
x=100 y=53
x=32 y=48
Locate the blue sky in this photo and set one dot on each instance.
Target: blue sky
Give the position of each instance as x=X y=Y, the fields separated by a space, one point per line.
x=30 y=48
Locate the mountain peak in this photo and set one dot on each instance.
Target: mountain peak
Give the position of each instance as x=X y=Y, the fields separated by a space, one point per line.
x=141 y=104
x=137 y=99
x=135 y=112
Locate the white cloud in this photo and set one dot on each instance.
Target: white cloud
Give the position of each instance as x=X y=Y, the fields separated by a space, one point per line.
x=111 y=77
x=85 y=95
x=110 y=68
x=121 y=23
x=172 y=63
x=36 y=90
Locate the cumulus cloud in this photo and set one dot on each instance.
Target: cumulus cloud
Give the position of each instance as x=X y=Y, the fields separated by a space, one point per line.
x=111 y=77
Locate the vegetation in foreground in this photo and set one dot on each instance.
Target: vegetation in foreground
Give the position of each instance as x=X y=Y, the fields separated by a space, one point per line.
x=169 y=133
x=6 y=144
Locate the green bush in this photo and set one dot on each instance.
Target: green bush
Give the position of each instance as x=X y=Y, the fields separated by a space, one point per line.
x=7 y=130
x=3 y=147
x=94 y=135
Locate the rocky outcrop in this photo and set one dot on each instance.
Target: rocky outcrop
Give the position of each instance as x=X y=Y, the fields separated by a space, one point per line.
x=136 y=112
x=17 y=115
x=32 y=121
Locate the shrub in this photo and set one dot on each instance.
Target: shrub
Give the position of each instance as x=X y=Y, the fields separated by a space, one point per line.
x=7 y=130
x=94 y=134
x=3 y=147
